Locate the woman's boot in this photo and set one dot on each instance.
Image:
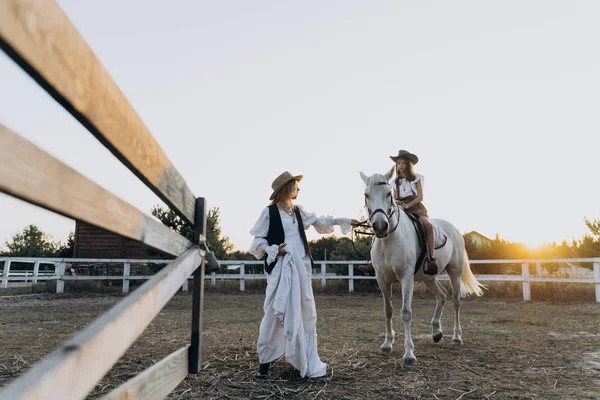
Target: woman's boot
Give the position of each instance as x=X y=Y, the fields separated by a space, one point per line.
x=263 y=370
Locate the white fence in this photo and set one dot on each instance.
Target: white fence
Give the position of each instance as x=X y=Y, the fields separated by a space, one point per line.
x=60 y=273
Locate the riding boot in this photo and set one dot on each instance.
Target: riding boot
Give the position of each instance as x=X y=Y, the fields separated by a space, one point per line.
x=432 y=268
x=263 y=370
x=367 y=269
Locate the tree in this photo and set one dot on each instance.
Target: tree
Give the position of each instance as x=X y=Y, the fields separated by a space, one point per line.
x=32 y=242
x=170 y=218
x=65 y=250
x=219 y=244
x=593 y=225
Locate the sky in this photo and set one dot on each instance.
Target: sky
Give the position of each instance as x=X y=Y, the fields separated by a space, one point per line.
x=499 y=100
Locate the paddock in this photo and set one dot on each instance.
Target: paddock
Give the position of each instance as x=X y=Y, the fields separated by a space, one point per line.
x=512 y=350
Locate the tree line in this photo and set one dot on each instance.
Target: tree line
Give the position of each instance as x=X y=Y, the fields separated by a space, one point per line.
x=32 y=242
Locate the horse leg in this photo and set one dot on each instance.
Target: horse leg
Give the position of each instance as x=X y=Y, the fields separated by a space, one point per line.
x=408 y=284
x=454 y=275
x=440 y=299
x=388 y=311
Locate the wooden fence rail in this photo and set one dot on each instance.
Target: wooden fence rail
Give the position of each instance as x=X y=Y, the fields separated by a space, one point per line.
x=40 y=38
x=525 y=278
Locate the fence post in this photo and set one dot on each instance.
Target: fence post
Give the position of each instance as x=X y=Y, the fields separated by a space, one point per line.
x=538 y=269
x=242 y=273
x=60 y=271
x=36 y=271
x=323 y=269
x=350 y=278
x=126 y=271
x=5 y=274
x=526 y=287
x=597 y=279
x=195 y=351
x=213 y=279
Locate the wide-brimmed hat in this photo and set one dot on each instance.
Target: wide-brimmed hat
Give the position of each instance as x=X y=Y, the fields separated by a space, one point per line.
x=281 y=181
x=407 y=156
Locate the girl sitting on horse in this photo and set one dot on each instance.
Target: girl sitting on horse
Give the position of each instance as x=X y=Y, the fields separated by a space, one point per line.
x=408 y=193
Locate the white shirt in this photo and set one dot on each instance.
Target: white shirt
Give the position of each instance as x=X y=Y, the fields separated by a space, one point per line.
x=323 y=224
x=408 y=188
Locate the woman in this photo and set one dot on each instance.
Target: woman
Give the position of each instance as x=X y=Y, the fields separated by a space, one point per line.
x=289 y=326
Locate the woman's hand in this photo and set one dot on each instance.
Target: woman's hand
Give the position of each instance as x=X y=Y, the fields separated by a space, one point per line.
x=354 y=222
x=281 y=249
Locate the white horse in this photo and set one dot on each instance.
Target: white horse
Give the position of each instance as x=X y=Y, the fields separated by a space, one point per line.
x=394 y=255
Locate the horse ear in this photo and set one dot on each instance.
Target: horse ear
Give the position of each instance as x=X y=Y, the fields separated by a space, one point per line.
x=390 y=174
x=363 y=176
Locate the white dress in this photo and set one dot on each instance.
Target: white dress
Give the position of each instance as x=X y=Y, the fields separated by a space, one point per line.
x=289 y=326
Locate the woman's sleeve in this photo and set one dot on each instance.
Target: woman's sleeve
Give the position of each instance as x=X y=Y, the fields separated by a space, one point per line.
x=260 y=246
x=325 y=223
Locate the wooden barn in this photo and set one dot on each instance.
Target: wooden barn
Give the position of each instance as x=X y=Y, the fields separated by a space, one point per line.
x=94 y=242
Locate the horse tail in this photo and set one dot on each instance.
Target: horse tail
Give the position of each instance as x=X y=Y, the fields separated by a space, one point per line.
x=468 y=280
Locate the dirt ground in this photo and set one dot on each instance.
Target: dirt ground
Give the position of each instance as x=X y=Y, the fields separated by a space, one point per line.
x=512 y=350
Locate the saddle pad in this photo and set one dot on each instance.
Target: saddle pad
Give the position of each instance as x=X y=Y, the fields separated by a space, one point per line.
x=440 y=237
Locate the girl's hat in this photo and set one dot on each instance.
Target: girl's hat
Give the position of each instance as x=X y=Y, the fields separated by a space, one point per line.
x=407 y=156
x=281 y=181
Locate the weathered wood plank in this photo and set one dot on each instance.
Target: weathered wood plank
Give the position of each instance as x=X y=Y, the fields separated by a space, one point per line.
x=39 y=37
x=31 y=174
x=91 y=353
x=156 y=382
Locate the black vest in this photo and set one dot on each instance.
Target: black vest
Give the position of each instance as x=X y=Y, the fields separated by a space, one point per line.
x=277 y=236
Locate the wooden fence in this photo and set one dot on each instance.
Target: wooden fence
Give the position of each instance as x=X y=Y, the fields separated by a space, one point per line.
x=39 y=37
x=320 y=274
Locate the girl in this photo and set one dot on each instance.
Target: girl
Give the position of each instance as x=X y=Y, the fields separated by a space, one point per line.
x=408 y=192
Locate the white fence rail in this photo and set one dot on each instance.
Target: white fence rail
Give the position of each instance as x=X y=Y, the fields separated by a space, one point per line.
x=60 y=274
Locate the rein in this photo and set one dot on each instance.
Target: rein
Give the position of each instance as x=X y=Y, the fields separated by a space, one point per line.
x=363 y=224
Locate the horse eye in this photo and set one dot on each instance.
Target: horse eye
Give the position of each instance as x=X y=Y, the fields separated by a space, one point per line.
x=366 y=196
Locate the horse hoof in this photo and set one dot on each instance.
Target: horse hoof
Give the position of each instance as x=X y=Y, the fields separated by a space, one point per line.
x=438 y=336
x=409 y=361
x=386 y=350
x=457 y=341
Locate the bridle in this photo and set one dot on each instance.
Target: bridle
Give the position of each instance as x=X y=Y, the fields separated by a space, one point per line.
x=381 y=210
x=370 y=219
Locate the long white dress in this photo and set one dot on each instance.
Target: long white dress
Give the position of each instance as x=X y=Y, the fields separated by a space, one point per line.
x=289 y=326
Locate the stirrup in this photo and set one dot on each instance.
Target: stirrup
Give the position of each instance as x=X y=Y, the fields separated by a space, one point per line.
x=432 y=267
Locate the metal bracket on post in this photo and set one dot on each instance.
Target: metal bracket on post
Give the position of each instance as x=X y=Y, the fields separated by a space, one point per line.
x=195 y=351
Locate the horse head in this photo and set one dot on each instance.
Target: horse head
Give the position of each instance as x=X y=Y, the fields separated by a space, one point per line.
x=379 y=201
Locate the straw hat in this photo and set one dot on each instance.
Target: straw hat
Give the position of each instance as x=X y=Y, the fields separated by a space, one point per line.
x=407 y=156
x=281 y=181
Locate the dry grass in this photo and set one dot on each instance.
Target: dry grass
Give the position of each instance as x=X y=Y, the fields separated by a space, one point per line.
x=512 y=350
